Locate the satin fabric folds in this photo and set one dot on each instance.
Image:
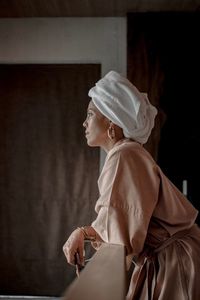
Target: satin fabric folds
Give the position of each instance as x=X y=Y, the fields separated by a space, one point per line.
x=140 y=208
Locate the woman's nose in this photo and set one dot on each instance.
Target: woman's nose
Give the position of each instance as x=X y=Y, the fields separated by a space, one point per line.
x=84 y=124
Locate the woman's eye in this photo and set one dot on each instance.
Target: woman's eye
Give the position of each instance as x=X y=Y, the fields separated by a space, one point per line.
x=89 y=114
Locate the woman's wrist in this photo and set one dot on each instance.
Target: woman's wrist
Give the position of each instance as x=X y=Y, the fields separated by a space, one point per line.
x=88 y=232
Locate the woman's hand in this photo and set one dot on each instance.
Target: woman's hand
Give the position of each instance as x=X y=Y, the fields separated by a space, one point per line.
x=73 y=246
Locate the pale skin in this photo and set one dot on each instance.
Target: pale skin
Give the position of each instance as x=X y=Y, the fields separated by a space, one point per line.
x=99 y=132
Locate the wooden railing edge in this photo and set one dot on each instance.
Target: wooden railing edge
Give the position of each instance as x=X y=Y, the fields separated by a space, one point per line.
x=103 y=278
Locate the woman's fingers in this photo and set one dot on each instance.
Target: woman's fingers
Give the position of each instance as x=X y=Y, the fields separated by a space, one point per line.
x=71 y=258
x=69 y=254
x=81 y=254
x=74 y=244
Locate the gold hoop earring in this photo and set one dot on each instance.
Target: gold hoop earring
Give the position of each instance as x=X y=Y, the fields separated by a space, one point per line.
x=111 y=133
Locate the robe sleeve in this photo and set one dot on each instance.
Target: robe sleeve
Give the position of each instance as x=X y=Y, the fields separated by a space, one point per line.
x=128 y=187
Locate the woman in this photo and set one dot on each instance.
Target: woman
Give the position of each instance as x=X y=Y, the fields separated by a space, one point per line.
x=138 y=206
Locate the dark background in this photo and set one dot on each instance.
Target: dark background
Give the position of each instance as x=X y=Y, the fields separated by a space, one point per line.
x=164 y=49
x=48 y=173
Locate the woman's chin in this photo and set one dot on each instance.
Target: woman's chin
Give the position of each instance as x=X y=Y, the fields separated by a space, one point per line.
x=91 y=143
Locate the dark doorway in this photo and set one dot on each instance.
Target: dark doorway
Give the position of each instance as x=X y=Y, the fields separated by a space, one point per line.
x=48 y=173
x=163 y=48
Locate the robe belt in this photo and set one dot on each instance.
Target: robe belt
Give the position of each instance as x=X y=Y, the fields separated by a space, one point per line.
x=145 y=267
x=176 y=236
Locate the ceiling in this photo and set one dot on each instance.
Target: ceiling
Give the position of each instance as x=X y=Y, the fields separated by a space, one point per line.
x=90 y=8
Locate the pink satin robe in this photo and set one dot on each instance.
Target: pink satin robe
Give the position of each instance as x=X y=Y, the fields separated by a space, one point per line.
x=141 y=209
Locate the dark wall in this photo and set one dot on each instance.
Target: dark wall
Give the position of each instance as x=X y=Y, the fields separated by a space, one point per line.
x=48 y=173
x=163 y=59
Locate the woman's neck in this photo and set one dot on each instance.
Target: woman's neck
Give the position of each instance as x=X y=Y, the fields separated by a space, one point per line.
x=111 y=143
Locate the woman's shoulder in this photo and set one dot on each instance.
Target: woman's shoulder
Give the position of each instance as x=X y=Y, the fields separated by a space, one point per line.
x=127 y=147
x=124 y=145
x=129 y=152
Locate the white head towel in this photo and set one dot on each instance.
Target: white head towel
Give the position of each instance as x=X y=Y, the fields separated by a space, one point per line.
x=121 y=102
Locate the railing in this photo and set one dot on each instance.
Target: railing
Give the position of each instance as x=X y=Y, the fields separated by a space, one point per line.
x=103 y=278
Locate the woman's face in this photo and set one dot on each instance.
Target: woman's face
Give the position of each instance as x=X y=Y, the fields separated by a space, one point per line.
x=96 y=126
